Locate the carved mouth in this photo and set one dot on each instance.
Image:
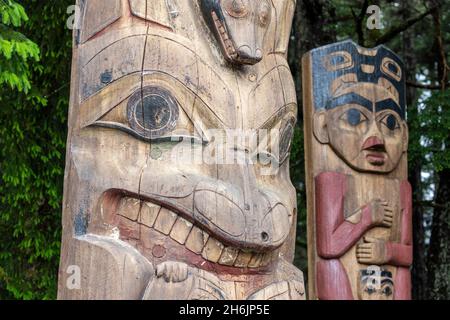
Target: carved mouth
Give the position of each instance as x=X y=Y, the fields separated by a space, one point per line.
x=167 y=222
x=375 y=151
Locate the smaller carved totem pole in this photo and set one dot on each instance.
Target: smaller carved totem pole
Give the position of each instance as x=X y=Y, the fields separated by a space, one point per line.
x=359 y=199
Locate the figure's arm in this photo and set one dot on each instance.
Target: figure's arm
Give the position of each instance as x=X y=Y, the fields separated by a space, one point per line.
x=335 y=235
x=400 y=254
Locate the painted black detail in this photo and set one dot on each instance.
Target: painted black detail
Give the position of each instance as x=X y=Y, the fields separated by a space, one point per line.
x=349 y=98
x=388 y=104
x=80 y=223
x=340 y=65
x=106 y=77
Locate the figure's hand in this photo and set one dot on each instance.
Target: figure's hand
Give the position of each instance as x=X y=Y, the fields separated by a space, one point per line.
x=381 y=212
x=372 y=251
x=172 y=271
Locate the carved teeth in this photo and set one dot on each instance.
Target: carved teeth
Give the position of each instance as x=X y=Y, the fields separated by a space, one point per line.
x=212 y=250
x=165 y=221
x=129 y=208
x=255 y=262
x=228 y=256
x=196 y=240
x=149 y=213
x=224 y=38
x=185 y=233
x=243 y=259
x=181 y=230
x=266 y=259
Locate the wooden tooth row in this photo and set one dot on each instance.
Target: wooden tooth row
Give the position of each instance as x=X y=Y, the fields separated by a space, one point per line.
x=193 y=238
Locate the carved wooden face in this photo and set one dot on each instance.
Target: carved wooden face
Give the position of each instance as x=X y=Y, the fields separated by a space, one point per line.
x=152 y=145
x=228 y=18
x=374 y=286
x=361 y=109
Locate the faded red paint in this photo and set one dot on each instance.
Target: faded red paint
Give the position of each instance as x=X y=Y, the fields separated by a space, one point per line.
x=335 y=236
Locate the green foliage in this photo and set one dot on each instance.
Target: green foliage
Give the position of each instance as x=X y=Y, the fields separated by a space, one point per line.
x=33 y=116
x=16 y=50
x=435 y=128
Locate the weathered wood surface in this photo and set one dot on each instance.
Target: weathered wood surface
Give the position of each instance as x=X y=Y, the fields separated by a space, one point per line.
x=141 y=219
x=359 y=199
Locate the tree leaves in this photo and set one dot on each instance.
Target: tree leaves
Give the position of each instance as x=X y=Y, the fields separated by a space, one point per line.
x=16 y=50
x=33 y=126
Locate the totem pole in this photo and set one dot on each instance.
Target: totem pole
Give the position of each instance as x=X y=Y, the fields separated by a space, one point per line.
x=177 y=177
x=359 y=199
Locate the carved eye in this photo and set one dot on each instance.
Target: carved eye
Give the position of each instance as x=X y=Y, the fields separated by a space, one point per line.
x=236 y=8
x=264 y=14
x=152 y=112
x=390 y=122
x=354 y=117
x=391 y=68
x=338 y=61
x=370 y=290
x=387 y=291
x=287 y=134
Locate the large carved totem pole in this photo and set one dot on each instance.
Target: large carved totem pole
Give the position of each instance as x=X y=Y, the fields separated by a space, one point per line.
x=359 y=199
x=177 y=177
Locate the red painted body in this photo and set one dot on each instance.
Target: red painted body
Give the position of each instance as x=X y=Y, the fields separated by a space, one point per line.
x=336 y=236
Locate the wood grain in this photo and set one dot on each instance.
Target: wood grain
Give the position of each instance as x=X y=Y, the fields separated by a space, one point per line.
x=359 y=200
x=159 y=90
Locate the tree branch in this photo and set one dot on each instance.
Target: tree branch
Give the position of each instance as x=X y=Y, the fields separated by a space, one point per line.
x=393 y=32
x=442 y=63
x=424 y=86
x=359 y=19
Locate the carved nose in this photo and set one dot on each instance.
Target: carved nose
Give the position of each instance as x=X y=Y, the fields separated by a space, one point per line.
x=247 y=56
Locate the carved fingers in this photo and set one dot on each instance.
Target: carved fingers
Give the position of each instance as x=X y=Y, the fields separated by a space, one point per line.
x=371 y=251
x=172 y=271
x=382 y=213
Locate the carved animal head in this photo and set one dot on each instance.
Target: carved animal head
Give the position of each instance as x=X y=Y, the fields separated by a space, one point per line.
x=239 y=26
x=360 y=102
x=158 y=132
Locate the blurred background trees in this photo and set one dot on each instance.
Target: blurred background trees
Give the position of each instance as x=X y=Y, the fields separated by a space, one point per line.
x=35 y=59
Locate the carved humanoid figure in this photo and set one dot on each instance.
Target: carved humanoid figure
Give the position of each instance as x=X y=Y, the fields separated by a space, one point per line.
x=160 y=90
x=360 y=201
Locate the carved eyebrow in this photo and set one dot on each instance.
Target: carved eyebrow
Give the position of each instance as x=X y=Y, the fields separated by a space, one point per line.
x=348 y=99
x=103 y=101
x=388 y=104
x=389 y=281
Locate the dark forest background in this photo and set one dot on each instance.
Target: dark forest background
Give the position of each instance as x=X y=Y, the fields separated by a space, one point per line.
x=35 y=59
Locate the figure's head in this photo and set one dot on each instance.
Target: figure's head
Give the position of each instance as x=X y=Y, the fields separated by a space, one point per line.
x=360 y=103
x=228 y=18
x=376 y=285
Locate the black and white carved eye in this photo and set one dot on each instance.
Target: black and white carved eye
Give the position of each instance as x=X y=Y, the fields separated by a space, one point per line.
x=391 y=68
x=370 y=290
x=236 y=8
x=264 y=13
x=390 y=123
x=152 y=112
x=387 y=291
